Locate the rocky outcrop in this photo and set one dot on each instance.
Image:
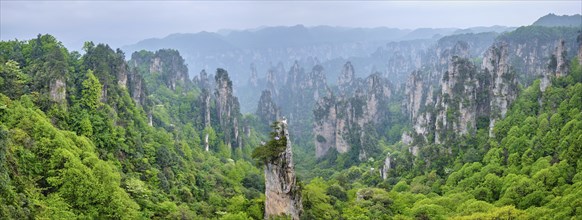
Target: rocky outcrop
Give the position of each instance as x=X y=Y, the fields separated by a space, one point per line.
x=254 y=78
x=562 y=61
x=347 y=78
x=558 y=65
x=204 y=102
x=342 y=120
x=282 y=192
x=530 y=48
x=136 y=87
x=326 y=127
x=267 y=110
x=167 y=64
x=227 y=108
x=457 y=107
x=503 y=88
x=58 y=90
x=418 y=93
x=295 y=93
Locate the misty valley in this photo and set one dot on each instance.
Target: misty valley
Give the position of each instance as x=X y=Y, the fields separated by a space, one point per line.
x=297 y=122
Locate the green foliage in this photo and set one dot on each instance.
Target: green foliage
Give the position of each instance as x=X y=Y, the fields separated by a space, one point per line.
x=273 y=148
x=91 y=92
x=12 y=80
x=95 y=156
x=317 y=202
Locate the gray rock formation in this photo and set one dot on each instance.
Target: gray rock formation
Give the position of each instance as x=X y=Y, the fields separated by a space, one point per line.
x=341 y=120
x=136 y=87
x=227 y=108
x=282 y=193
x=167 y=64
x=530 y=48
x=295 y=93
x=503 y=89
x=254 y=78
x=58 y=90
x=267 y=110
x=386 y=167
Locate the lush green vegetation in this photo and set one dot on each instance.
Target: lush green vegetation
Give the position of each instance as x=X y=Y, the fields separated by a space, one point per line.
x=95 y=156
x=273 y=148
x=530 y=169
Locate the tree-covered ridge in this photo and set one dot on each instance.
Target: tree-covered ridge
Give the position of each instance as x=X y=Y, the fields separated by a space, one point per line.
x=95 y=137
x=530 y=169
x=553 y=20
x=93 y=154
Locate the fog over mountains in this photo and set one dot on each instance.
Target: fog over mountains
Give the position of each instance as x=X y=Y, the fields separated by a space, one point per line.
x=380 y=120
x=267 y=47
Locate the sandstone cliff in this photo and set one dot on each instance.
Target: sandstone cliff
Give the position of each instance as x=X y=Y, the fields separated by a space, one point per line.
x=282 y=192
x=343 y=120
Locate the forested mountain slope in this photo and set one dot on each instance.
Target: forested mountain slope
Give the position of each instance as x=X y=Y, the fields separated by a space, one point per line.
x=96 y=136
x=76 y=145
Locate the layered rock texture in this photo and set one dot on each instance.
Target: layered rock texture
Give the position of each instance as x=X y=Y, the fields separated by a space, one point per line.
x=477 y=88
x=267 y=110
x=227 y=107
x=282 y=193
x=219 y=109
x=341 y=120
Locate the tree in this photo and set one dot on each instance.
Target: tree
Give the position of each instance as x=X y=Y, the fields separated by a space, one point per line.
x=316 y=202
x=12 y=80
x=91 y=92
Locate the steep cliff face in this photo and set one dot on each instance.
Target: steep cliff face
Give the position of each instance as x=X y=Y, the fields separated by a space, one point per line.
x=58 y=90
x=282 y=193
x=347 y=78
x=386 y=167
x=423 y=82
x=458 y=107
x=267 y=110
x=165 y=64
x=503 y=89
x=403 y=57
x=342 y=120
x=472 y=97
x=203 y=82
x=227 y=108
x=136 y=87
x=254 y=78
x=296 y=92
x=418 y=94
x=530 y=48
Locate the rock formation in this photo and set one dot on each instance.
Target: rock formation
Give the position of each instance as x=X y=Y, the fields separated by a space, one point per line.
x=295 y=93
x=341 y=120
x=254 y=78
x=503 y=89
x=227 y=108
x=58 y=90
x=267 y=110
x=167 y=64
x=136 y=87
x=282 y=193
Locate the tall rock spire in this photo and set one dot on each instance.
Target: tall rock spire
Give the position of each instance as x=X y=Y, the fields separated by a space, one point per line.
x=282 y=193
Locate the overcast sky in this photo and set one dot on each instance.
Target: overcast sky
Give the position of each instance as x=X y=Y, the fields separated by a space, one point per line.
x=126 y=22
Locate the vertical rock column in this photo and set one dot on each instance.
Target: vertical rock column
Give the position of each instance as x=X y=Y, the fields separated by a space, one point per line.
x=282 y=194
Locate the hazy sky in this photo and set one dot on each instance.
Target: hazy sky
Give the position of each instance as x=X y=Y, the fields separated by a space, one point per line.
x=125 y=22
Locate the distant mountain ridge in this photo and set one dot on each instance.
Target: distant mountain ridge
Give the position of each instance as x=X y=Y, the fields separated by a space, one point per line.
x=298 y=35
x=553 y=20
x=265 y=47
